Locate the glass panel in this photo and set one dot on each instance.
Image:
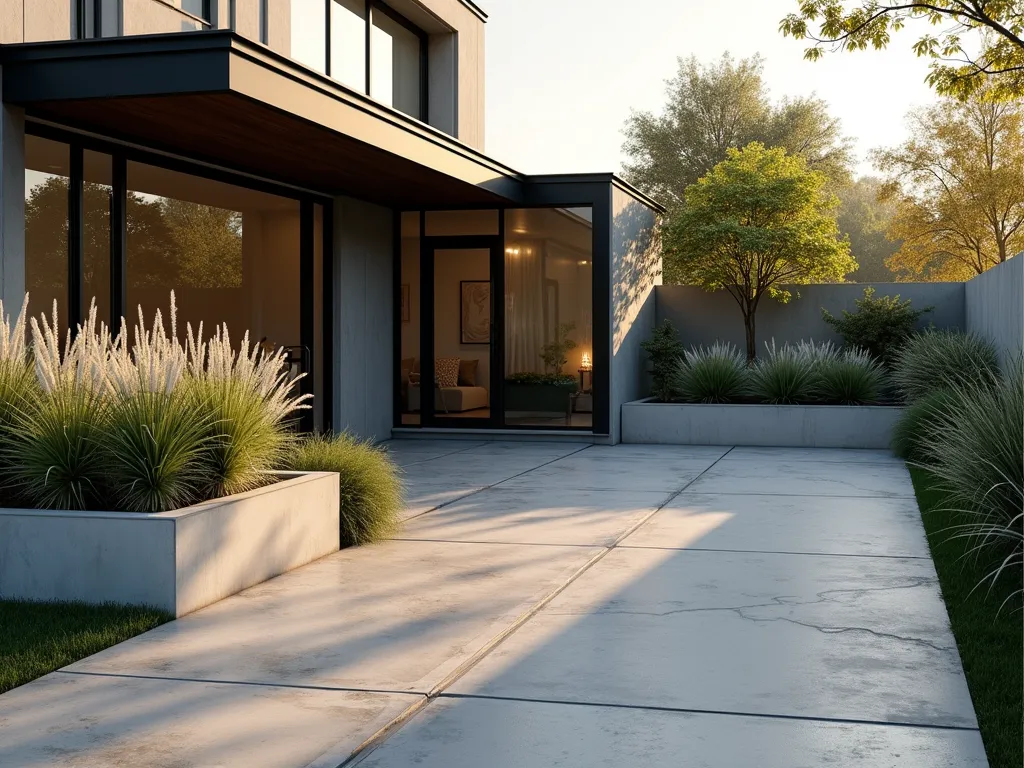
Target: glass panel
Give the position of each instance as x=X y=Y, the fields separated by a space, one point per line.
x=318 y=310
x=396 y=58
x=200 y=8
x=461 y=223
x=309 y=33
x=549 y=317
x=47 y=177
x=462 y=332
x=231 y=255
x=409 y=376
x=96 y=194
x=348 y=43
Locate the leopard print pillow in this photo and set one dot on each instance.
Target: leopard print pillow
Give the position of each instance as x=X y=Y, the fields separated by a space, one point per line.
x=447 y=371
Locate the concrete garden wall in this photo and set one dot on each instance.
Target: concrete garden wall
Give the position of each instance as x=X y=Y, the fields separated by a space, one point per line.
x=177 y=561
x=800 y=426
x=995 y=306
x=702 y=318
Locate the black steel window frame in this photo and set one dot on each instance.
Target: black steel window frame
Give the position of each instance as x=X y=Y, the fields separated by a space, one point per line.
x=120 y=156
x=371 y=7
x=601 y=248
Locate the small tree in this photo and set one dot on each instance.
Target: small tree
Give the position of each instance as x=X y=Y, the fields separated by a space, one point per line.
x=757 y=221
x=665 y=351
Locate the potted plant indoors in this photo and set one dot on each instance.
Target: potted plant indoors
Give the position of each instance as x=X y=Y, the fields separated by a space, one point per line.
x=547 y=392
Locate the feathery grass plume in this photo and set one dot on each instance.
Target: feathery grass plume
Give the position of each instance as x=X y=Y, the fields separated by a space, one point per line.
x=941 y=359
x=251 y=398
x=371 y=490
x=853 y=377
x=17 y=381
x=715 y=374
x=976 y=450
x=52 y=456
x=786 y=374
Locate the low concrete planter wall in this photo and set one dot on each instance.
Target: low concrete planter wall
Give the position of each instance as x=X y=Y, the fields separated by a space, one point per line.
x=178 y=561
x=804 y=426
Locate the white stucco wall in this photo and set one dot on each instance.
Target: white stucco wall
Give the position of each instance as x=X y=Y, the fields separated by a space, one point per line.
x=995 y=306
x=636 y=270
x=363 y=336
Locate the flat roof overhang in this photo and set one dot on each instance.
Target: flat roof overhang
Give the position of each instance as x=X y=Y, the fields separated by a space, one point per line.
x=218 y=98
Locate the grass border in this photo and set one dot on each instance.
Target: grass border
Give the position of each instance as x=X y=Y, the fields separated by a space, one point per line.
x=990 y=645
x=37 y=638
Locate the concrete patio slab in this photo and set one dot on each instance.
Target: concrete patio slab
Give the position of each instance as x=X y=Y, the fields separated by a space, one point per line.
x=459 y=732
x=707 y=453
x=790 y=635
x=394 y=617
x=812 y=478
x=423 y=496
x=87 y=721
x=836 y=525
x=467 y=468
x=581 y=473
x=840 y=455
x=536 y=516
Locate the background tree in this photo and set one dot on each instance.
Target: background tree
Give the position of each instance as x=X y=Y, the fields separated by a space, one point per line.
x=958 y=188
x=208 y=243
x=712 y=108
x=758 y=220
x=997 y=27
x=864 y=220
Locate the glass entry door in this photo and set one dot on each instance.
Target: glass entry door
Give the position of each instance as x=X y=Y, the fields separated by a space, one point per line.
x=461 y=356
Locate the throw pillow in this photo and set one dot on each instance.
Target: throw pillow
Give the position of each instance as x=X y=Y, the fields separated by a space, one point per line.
x=447 y=371
x=467 y=372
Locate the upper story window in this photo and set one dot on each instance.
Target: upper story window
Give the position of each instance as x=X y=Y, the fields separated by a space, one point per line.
x=200 y=8
x=365 y=45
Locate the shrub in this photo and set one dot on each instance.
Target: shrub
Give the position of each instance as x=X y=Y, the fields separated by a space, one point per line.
x=943 y=359
x=976 y=450
x=541 y=378
x=664 y=350
x=850 y=378
x=371 y=491
x=879 y=326
x=910 y=433
x=786 y=374
x=715 y=374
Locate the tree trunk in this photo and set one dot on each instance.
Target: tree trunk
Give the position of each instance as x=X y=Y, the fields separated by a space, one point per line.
x=748 y=322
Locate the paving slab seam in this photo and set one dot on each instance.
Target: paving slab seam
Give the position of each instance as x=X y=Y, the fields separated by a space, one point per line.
x=475 y=491
x=378 y=738
x=498 y=543
x=762 y=552
x=729 y=713
x=443 y=455
x=359 y=754
x=805 y=495
x=254 y=683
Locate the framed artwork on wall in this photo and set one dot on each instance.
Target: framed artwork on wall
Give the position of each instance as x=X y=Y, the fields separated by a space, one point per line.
x=405 y=303
x=475 y=312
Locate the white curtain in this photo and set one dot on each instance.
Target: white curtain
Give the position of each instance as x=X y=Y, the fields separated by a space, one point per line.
x=524 y=306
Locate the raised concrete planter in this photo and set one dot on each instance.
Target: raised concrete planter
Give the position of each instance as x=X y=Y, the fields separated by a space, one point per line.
x=178 y=561
x=803 y=426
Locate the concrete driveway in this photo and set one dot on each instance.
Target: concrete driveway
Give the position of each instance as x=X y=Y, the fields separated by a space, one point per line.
x=557 y=604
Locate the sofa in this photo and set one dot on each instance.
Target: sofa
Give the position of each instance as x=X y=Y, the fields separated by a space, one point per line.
x=465 y=395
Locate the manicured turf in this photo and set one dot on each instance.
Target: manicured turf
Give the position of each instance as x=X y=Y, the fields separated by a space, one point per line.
x=990 y=645
x=37 y=638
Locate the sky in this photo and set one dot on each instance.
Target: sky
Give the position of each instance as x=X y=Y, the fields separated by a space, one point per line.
x=563 y=75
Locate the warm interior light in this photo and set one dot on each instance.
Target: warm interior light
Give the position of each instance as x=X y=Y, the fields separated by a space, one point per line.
x=583 y=262
x=586 y=364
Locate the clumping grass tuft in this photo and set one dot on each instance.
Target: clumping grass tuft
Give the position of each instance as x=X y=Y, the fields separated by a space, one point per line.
x=940 y=359
x=715 y=374
x=975 y=451
x=988 y=639
x=37 y=638
x=371 y=489
x=851 y=378
x=786 y=374
x=910 y=434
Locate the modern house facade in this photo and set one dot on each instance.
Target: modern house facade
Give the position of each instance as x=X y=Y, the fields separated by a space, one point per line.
x=314 y=171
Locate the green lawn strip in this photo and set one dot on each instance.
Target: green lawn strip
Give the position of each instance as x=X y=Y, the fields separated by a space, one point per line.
x=37 y=638
x=991 y=646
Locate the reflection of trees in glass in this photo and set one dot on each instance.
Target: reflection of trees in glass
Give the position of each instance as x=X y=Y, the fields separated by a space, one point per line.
x=170 y=242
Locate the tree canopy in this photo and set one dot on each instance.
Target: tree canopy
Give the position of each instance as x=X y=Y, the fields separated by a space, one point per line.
x=759 y=220
x=712 y=108
x=865 y=219
x=991 y=56
x=958 y=188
